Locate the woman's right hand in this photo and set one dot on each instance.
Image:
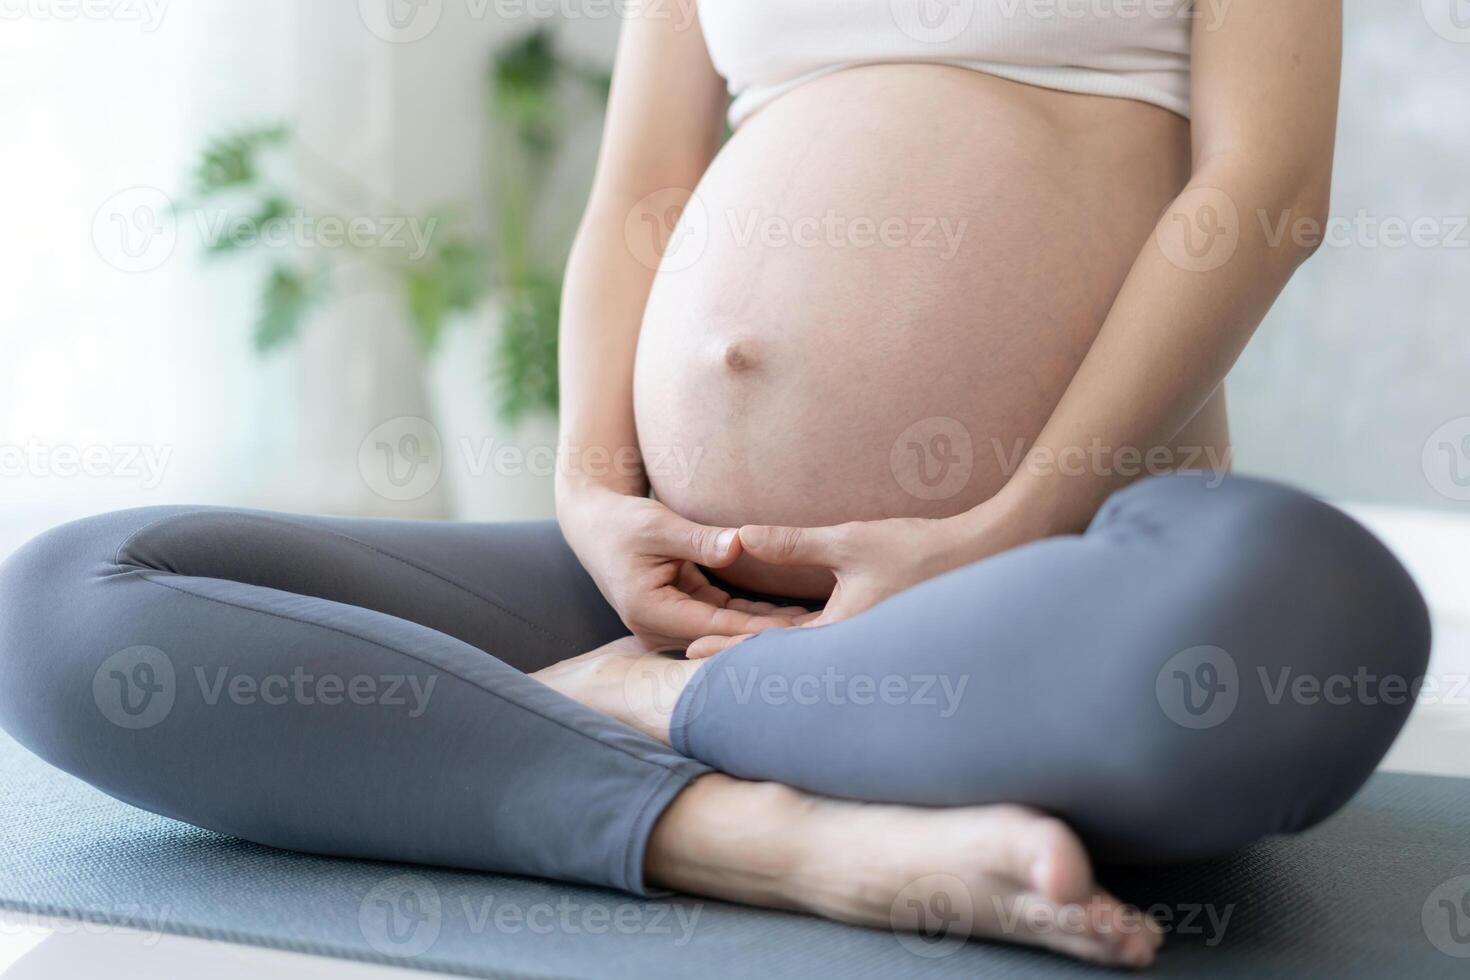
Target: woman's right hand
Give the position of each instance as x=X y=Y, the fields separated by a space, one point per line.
x=645 y=560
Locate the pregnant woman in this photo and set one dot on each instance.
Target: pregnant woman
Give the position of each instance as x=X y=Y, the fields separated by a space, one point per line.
x=857 y=604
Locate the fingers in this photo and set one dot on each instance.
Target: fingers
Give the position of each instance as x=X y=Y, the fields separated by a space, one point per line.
x=674 y=613
x=693 y=582
x=768 y=608
x=708 y=646
x=670 y=536
x=794 y=545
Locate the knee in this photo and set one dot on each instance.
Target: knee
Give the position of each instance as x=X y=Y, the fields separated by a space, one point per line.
x=1346 y=602
x=1282 y=674
x=59 y=611
x=43 y=578
x=1291 y=575
x=1335 y=643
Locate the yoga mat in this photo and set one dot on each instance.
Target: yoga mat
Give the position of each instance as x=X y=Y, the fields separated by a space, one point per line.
x=1381 y=890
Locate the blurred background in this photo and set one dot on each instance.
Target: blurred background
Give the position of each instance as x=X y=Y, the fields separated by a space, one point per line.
x=305 y=256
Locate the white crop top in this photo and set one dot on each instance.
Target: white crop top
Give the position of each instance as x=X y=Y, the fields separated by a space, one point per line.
x=1129 y=49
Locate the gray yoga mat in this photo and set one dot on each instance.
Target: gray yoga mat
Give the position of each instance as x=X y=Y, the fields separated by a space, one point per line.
x=1383 y=889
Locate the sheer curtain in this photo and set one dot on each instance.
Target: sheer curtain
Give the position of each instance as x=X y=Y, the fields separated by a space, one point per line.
x=127 y=375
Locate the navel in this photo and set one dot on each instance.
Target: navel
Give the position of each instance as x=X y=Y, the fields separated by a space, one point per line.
x=741 y=355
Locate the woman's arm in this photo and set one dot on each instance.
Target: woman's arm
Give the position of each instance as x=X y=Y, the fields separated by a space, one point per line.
x=664 y=122
x=1265 y=122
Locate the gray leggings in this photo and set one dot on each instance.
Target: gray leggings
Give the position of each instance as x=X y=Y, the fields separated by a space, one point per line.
x=1206 y=665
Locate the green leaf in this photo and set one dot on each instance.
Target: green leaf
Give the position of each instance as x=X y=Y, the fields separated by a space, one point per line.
x=525 y=69
x=273 y=208
x=288 y=296
x=232 y=161
x=427 y=309
x=463 y=268
x=524 y=75
x=451 y=279
x=524 y=365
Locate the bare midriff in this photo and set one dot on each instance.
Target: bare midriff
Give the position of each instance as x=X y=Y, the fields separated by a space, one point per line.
x=898 y=270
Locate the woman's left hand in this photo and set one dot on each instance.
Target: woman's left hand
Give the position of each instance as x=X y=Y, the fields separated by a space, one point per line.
x=872 y=560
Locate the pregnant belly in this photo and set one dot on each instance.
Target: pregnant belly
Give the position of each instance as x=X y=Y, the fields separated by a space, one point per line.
x=879 y=292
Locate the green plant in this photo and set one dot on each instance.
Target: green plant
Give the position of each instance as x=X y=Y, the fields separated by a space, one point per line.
x=252 y=182
x=529 y=123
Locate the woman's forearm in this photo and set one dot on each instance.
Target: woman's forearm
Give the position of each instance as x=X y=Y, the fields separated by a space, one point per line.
x=1264 y=98
x=602 y=310
x=659 y=134
x=1182 y=318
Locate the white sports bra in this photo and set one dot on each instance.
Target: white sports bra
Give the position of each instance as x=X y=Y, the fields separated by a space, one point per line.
x=1128 y=49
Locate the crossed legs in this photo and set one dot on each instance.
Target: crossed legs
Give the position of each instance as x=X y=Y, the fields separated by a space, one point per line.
x=255 y=674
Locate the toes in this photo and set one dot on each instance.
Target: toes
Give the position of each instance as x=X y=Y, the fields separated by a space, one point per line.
x=1053 y=900
x=1135 y=937
x=1101 y=929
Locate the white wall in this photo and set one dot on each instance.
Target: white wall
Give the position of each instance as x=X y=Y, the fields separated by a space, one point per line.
x=1368 y=352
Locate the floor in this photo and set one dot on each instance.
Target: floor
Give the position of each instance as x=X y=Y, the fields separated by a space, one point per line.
x=1434 y=547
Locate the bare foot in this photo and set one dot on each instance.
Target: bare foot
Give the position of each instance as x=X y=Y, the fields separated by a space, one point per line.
x=934 y=876
x=627 y=679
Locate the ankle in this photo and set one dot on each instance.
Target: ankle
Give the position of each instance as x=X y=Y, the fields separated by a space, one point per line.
x=626 y=681
x=732 y=838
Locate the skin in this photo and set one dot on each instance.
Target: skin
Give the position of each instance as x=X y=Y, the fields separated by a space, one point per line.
x=1146 y=372
x=923 y=327
x=1016 y=874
